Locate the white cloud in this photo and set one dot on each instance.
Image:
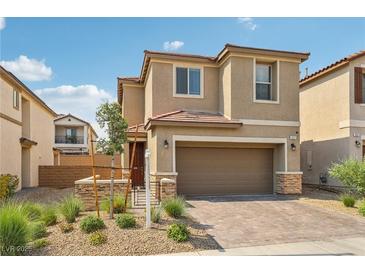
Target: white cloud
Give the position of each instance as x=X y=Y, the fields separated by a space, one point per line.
x=28 y=69
x=173 y=45
x=81 y=101
x=2 y=23
x=248 y=22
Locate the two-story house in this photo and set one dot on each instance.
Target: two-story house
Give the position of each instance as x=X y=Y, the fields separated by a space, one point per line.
x=332 y=115
x=26 y=130
x=72 y=135
x=221 y=125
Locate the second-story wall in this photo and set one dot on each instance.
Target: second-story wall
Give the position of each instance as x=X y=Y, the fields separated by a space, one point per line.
x=357 y=110
x=324 y=105
x=163 y=99
x=285 y=79
x=134 y=109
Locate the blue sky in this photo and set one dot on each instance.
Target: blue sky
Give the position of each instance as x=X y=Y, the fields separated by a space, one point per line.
x=72 y=60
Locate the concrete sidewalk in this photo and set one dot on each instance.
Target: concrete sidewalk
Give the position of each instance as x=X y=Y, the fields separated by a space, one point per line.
x=338 y=247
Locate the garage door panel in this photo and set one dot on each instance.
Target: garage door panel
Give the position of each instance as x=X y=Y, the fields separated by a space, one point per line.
x=219 y=171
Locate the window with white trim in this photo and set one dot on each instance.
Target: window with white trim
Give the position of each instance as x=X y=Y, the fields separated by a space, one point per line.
x=188 y=81
x=15 y=99
x=263 y=82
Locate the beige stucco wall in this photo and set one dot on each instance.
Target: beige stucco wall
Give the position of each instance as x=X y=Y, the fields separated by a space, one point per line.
x=10 y=148
x=41 y=130
x=163 y=162
x=357 y=110
x=133 y=111
x=225 y=98
x=163 y=100
x=324 y=103
x=242 y=102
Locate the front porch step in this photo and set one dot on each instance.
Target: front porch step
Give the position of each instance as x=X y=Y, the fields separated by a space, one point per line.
x=139 y=198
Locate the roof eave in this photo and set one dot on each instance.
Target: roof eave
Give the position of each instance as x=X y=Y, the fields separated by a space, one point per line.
x=152 y=123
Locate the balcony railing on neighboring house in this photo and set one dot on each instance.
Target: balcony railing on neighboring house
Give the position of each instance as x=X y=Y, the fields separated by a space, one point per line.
x=69 y=139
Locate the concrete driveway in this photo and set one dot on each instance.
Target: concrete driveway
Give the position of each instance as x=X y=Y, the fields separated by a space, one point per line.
x=267 y=220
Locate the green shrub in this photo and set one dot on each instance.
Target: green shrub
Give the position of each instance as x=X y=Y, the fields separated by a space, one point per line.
x=125 y=220
x=14 y=229
x=118 y=204
x=66 y=227
x=37 y=230
x=91 y=223
x=362 y=208
x=156 y=214
x=48 y=216
x=174 y=207
x=8 y=185
x=178 y=232
x=351 y=173
x=40 y=243
x=33 y=211
x=348 y=200
x=70 y=208
x=97 y=238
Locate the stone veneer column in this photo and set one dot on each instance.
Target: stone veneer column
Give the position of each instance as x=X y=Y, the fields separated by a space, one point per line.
x=166 y=185
x=288 y=182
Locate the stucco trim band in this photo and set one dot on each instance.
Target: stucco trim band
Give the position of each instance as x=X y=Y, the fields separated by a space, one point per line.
x=11 y=120
x=351 y=123
x=279 y=123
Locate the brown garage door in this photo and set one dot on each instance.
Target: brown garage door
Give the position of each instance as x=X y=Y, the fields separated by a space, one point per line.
x=224 y=171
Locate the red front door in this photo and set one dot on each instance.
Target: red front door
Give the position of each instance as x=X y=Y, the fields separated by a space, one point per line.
x=137 y=173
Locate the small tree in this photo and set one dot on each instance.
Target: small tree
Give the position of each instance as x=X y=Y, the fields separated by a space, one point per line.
x=109 y=117
x=351 y=173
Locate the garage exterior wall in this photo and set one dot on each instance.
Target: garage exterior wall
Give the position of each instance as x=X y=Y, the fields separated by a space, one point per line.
x=165 y=157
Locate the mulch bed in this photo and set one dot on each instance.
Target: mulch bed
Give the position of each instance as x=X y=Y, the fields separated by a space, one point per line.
x=125 y=242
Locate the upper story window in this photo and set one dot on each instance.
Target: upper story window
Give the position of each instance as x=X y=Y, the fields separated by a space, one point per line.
x=15 y=99
x=263 y=82
x=359 y=80
x=266 y=81
x=188 y=81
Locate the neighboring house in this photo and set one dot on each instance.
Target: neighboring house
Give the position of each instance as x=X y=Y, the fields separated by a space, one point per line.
x=26 y=130
x=72 y=135
x=332 y=115
x=227 y=124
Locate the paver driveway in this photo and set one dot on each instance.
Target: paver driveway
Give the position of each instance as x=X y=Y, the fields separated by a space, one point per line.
x=249 y=221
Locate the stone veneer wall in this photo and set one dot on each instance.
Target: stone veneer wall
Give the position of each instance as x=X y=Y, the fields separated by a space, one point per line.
x=84 y=190
x=166 y=185
x=288 y=182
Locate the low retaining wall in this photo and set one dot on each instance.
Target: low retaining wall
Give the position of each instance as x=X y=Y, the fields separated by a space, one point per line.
x=84 y=190
x=288 y=182
x=65 y=176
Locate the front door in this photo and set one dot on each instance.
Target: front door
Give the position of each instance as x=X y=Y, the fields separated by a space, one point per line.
x=137 y=173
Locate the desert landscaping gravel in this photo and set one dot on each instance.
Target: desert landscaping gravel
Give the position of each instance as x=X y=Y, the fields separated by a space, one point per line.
x=124 y=242
x=326 y=199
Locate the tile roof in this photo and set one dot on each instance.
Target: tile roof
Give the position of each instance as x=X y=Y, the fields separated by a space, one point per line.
x=141 y=128
x=194 y=117
x=335 y=64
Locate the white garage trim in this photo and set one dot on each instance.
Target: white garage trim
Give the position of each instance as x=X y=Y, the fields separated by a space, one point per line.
x=229 y=139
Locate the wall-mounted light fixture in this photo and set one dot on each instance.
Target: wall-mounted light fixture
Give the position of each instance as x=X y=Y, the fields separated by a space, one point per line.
x=293 y=147
x=357 y=143
x=166 y=144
